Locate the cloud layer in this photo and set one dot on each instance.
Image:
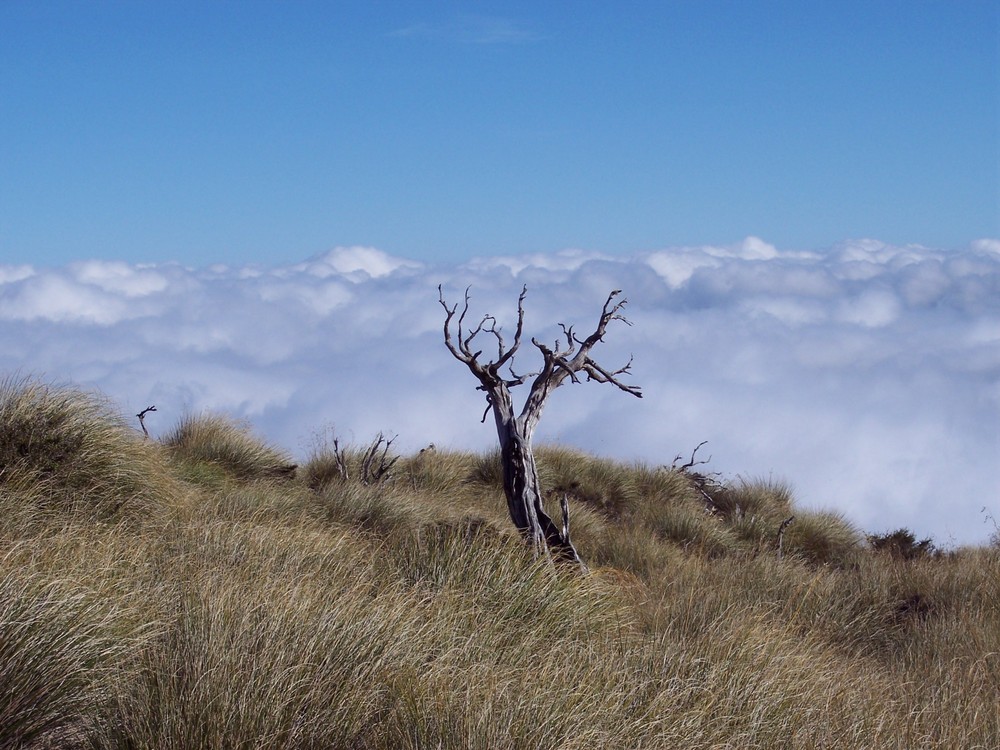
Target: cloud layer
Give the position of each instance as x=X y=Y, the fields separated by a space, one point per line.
x=866 y=375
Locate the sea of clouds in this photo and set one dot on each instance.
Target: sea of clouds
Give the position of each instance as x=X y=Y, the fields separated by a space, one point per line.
x=866 y=375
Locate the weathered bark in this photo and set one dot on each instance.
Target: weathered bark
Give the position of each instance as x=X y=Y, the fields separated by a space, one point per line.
x=515 y=430
x=524 y=495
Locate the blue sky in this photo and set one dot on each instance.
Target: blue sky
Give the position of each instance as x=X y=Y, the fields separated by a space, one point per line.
x=249 y=132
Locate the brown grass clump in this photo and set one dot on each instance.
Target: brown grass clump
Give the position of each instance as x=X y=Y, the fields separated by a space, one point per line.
x=66 y=453
x=826 y=538
x=60 y=649
x=227 y=445
x=746 y=498
x=606 y=486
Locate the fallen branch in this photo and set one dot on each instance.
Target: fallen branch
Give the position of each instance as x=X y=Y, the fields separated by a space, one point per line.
x=701 y=482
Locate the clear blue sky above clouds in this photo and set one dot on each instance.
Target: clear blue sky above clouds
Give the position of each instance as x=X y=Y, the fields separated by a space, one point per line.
x=270 y=131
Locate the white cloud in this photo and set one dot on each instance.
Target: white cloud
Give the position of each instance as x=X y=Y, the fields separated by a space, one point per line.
x=754 y=248
x=678 y=266
x=15 y=273
x=872 y=308
x=471 y=29
x=355 y=264
x=561 y=261
x=867 y=375
x=120 y=277
x=987 y=246
x=61 y=299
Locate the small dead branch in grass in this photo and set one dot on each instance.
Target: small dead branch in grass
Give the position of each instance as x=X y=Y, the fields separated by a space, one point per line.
x=781 y=533
x=377 y=464
x=142 y=419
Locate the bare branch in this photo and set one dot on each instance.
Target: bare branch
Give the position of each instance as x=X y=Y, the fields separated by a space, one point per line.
x=142 y=419
x=608 y=313
x=477 y=330
x=711 y=506
x=449 y=314
x=465 y=309
x=555 y=360
x=460 y=344
x=372 y=473
x=596 y=372
x=781 y=532
x=518 y=379
x=505 y=357
x=341 y=463
x=564 y=503
x=570 y=339
x=691 y=463
x=560 y=365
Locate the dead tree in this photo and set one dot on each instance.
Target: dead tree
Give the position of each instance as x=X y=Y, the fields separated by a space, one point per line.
x=569 y=358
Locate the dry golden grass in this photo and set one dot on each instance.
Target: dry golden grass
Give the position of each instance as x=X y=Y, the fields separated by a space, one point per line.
x=67 y=453
x=241 y=609
x=227 y=445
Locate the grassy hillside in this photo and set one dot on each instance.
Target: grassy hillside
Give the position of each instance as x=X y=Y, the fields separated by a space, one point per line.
x=195 y=593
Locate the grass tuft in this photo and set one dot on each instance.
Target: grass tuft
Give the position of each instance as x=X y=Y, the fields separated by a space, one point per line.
x=59 y=651
x=754 y=497
x=67 y=452
x=488 y=469
x=824 y=538
x=602 y=484
x=228 y=445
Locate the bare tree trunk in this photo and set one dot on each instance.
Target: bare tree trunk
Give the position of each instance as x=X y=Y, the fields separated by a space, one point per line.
x=520 y=480
x=524 y=495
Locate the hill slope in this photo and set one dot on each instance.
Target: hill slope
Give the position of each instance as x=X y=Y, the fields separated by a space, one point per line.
x=196 y=593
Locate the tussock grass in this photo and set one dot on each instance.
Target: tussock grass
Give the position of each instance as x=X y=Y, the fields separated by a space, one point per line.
x=407 y=614
x=227 y=445
x=65 y=452
x=488 y=470
x=754 y=497
x=441 y=473
x=274 y=665
x=379 y=509
x=602 y=484
x=323 y=468
x=60 y=647
x=826 y=538
x=694 y=531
